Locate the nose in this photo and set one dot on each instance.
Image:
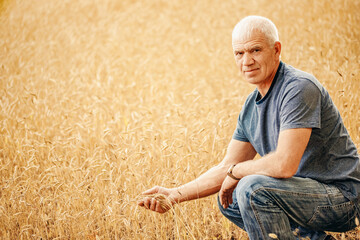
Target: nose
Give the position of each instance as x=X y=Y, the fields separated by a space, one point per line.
x=248 y=59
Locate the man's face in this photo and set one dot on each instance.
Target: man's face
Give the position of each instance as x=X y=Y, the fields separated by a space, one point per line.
x=256 y=59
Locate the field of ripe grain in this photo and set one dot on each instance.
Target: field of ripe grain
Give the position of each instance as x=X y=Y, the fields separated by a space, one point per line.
x=100 y=100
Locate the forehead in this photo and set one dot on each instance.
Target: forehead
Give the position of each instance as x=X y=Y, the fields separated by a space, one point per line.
x=247 y=41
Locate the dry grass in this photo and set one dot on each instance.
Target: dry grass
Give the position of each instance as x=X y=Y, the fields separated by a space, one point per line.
x=101 y=100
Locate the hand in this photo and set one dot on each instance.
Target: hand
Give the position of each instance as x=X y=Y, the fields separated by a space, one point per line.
x=157 y=199
x=226 y=191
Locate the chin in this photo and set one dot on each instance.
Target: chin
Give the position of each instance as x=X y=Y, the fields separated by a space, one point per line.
x=252 y=80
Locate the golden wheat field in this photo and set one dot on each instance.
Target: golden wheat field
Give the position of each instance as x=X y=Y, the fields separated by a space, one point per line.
x=101 y=100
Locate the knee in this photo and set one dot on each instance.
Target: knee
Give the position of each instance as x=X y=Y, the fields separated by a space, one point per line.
x=248 y=185
x=253 y=182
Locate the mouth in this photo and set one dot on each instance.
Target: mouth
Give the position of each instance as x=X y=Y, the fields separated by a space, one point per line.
x=250 y=70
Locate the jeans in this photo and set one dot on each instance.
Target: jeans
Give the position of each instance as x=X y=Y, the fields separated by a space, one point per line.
x=292 y=208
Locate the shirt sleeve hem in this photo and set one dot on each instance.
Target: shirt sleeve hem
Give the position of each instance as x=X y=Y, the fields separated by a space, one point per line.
x=240 y=139
x=300 y=125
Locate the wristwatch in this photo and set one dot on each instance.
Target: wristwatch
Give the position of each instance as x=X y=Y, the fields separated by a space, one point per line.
x=230 y=174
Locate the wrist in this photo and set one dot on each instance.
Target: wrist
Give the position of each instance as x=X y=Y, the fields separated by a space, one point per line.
x=231 y=173
x=176 y=196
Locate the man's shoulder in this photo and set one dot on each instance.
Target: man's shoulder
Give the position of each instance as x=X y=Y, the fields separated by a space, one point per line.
x=292 y=73
x=294 y=77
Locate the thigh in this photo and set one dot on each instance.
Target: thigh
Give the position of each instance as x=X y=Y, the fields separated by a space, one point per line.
x=306 y=202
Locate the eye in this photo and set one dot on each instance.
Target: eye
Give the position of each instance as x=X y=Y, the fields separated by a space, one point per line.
x=239 y=54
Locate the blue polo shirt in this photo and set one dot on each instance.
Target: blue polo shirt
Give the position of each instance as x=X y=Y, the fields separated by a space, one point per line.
x=297 y=100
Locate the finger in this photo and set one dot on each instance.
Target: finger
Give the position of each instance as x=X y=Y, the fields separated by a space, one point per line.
x=225 y=204
x=141 y=203
x=147 y=202
x=225 y=200
x=221 y=197
x=230 y=199
x=161 y=208
x=158 y=208
x=153 y=204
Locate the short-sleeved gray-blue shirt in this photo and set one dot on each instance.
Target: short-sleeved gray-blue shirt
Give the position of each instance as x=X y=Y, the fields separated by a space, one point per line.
x=297 y=100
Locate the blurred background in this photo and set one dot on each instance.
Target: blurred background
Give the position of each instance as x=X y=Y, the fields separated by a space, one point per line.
x=100 y=100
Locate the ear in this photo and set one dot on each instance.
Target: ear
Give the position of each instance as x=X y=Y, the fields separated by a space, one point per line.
x=277 y=48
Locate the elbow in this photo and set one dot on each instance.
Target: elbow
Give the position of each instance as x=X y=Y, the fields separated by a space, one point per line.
x=287 y=174
x=288 y=167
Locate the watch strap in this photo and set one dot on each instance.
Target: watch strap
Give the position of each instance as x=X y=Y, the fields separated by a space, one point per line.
x=230 y=174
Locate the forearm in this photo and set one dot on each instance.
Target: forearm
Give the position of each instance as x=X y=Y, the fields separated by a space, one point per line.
x=205 y=185
x=210 y=182
x=284 y=162
x=270 y=165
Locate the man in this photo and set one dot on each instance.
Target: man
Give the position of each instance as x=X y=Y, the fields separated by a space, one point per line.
x=307 y=180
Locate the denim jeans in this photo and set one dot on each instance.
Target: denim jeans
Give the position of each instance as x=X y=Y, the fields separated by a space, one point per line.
x=293 y=208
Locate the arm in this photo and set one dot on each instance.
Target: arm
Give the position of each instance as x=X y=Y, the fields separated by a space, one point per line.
x=283 y=163
x=207 y=184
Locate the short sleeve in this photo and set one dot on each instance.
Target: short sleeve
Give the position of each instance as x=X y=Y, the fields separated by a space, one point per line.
x=301 y=105
x=239 y=133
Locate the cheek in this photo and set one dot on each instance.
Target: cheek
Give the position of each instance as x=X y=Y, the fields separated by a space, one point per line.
x=239 y=63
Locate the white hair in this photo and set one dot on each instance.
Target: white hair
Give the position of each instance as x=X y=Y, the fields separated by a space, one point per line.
x=251 y=24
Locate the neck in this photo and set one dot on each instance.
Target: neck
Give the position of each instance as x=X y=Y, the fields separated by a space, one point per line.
x=264 y=86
